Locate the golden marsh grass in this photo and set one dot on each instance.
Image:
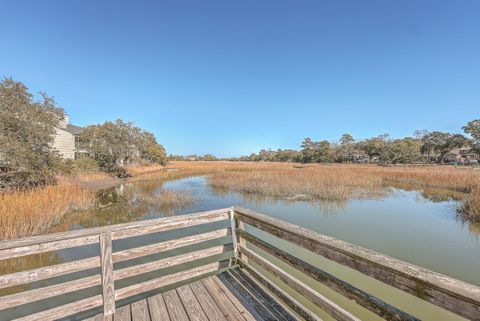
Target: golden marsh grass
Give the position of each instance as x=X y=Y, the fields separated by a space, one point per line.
x=30 y=212
x=24 y=213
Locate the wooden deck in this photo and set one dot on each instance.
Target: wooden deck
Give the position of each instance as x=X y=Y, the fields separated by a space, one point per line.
x=228 y=296
x=138 y=260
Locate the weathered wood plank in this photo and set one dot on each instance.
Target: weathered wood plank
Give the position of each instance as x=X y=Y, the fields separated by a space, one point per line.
x=123 y=313
x=64 y=310
x=174 y=306
x=17 y=299
x=168 y=245
x=233 y=226
x=191 y=304
x=240 y=241
x=207 y=302
x=14 y=252
x=454 y=295
x=224 y=293
x=169 y=222
x=272 y=305
x=167 y=225
x=46 y=272
x=168 y=280
x=108 y=290
x=170 y=261
x=158 y=309
x=232 y=311
x=140 y=311
x=100 y=317
x=244 y=296
x=370 y=302
x=330 y=307
x=286 y=298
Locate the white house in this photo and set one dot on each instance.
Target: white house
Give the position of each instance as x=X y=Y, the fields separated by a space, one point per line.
x=66 y=140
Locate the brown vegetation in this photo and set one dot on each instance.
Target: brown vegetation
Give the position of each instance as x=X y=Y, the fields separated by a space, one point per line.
x=166 y=199
x=469 y=209
x=340 y=182
x=30 y=212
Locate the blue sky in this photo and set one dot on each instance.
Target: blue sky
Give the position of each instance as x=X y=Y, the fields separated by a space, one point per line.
x=231 y=77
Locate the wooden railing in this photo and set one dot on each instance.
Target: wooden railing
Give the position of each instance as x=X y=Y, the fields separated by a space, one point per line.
x=453 y=295
x=456 y=296
x=103 y=236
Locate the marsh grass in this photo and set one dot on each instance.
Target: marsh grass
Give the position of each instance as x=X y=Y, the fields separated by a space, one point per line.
x=165 y=199
x=469 y=209
x=31 y=212
x=341 y=182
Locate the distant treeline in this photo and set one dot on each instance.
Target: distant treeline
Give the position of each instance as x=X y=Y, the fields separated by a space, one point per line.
x=423 y=147
x=192 y=157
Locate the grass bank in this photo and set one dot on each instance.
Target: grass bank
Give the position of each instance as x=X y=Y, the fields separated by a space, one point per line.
x=340 y=182
x=24 y=213
x=30 y=212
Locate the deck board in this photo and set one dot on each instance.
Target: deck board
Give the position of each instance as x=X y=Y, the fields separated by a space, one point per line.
x=174 y=306
x=158 y=309
x=123 y=314
x=247 y=299
x=140 y=311
x=271 y=304
x=228 y=296
x=228 y=307
x=207 y=302
x=191 y=304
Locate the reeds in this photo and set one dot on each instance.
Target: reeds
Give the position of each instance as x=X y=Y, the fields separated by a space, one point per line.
x=340 y=182
x=165 y=199
x=311 y=183
x=30 y=212
x=469 y=209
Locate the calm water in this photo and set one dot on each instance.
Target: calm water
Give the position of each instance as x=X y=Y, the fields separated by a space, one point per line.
x=407 y=225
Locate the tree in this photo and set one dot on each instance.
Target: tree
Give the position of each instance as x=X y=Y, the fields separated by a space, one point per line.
x=113 y=144
x=473 y=128
x=378 y=147
x=347 y=139
x=405 y=151
x=150 y=149
x=316 y=152
x=437 y=144
x=307 y=150
x=346 y=151
x=27 y=131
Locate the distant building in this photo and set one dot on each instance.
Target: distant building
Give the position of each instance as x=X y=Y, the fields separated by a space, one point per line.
x=67 y=140
x=462 y=155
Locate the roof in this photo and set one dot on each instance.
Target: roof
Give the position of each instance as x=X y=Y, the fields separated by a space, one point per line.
x=75 y=130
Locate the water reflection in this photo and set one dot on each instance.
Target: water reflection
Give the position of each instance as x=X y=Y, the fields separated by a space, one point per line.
x=415 y=225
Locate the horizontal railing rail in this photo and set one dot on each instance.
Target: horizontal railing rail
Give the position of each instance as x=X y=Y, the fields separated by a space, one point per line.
x=451 y=294
x=104 y=236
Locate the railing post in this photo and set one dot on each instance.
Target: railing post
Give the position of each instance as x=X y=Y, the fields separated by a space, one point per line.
x=108 y=290
x=233 y=225
x=238 y=241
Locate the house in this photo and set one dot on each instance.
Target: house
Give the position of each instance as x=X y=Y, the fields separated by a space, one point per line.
x=67 y=140
x=462 y=155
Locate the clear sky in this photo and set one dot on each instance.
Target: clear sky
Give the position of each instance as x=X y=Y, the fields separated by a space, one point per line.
x=232 y=77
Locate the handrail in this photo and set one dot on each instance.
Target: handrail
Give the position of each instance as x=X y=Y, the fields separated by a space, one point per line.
x=454 y=295
x=199 y=218
x=451 y=294
x=103 y=236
